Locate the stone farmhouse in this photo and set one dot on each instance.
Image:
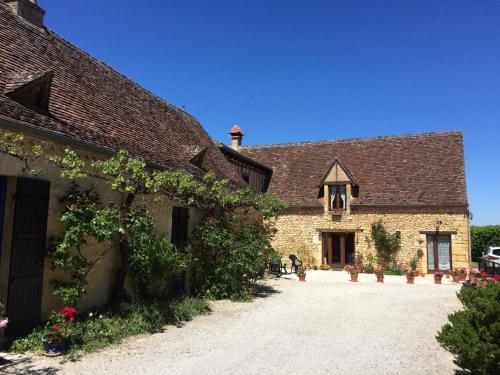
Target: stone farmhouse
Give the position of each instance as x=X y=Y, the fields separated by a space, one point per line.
x=54 y=92
x=336 y=190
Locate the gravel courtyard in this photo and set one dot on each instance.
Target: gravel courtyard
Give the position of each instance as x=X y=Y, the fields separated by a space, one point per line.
x=326 y=325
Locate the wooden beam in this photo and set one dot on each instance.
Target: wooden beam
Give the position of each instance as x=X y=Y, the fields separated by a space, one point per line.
x=342 y=249
x=330 y=248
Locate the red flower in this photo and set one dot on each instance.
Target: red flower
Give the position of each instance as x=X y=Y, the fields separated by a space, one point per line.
x=57 y=328
x=69 y=313
x=496 y=278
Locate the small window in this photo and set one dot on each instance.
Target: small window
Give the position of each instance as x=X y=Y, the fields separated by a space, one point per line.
x=496 y=252
x=337 y=199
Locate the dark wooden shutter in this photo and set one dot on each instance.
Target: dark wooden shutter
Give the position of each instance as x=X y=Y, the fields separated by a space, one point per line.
x=180 y=220
x=27 y=254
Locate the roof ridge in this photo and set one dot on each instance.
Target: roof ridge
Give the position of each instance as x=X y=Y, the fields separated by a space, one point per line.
x=305 y=143
x=40 y=32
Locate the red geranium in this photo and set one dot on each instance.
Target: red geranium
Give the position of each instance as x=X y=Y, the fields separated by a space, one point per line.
x=57 y=328
x=69 y=313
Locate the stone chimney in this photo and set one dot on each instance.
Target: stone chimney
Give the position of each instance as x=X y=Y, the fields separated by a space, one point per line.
x=236 y=137
x=27 y=9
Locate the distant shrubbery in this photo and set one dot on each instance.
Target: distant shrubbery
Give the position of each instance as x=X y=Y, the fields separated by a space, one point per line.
x=483 y=237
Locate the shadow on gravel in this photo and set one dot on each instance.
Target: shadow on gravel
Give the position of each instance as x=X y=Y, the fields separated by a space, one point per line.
x=23 y=366
x=264 y=291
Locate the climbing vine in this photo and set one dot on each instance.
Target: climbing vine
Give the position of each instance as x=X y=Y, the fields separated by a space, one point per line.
x=386 y=244
x=145 y=253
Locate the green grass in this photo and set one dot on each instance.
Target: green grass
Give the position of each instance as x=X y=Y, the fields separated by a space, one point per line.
x=92 y=333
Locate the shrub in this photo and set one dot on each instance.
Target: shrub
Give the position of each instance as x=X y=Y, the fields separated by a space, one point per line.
x=94 y=331
x=473 y=334
x=386 y=244
x=483 y=237
x=233 y=252
x=395 y=269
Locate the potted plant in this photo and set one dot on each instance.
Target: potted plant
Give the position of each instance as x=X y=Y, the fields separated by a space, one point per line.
x=438 y=277
x=359 y=259
x=410 y=277
x=53 y=342
x=380 y=275
x=352 y=271
x=474 y=275
x=302 y=274
x=463 y=274
x=58 y=325
x=456 y=275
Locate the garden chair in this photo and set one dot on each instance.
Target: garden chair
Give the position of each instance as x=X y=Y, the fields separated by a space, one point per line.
x=275 y=265
x=295 y=263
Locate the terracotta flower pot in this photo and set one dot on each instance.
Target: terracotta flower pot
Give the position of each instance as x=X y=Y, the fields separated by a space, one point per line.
x=380 y=278
x=410 y=280
x=456 y=279
x=302 y=277
x=437 y=280
x=354 y=278
x=463 y=277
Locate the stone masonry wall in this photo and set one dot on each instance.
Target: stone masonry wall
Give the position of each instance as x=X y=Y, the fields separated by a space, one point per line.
x=299 y=227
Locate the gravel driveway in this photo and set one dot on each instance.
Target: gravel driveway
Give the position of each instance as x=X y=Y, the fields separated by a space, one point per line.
x=326 y=325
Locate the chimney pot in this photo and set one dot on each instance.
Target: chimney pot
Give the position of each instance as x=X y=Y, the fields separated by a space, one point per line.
x=28 y=10
x=236 y=137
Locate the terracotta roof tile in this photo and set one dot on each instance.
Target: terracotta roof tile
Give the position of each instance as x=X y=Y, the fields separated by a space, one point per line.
x=94 y=103
x=421 y=170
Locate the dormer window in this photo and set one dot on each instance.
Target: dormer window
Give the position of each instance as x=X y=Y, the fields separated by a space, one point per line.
x=31 y=90
x=337 y=197
x=337 y=189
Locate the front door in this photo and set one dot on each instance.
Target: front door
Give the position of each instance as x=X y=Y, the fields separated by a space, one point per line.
x=27 y=255
x=438 y=252
x=338 y=248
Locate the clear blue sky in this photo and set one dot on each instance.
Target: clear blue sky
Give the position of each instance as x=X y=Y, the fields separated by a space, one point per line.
x=307 y=70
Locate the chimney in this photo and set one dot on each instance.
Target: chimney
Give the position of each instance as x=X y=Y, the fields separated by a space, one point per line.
x=28 y=10
x=236 y=136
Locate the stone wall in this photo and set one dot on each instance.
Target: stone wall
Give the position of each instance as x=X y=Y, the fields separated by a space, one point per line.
x=304 y=226
x=101 y=278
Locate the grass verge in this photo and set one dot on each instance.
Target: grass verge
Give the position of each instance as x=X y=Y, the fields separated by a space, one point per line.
x=96 y=330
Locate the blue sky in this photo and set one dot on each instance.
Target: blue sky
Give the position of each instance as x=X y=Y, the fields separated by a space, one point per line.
x=289 y=70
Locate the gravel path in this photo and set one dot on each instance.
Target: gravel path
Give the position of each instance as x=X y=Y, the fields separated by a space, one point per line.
x=326 y=325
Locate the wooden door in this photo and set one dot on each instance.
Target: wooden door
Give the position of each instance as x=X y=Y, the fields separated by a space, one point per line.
x=438 y=252
x=27 y=255
x=180 y=224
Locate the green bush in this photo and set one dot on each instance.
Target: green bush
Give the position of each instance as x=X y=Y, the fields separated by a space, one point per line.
x=483 y=237
x=95 y=330
x=234 y=251
x=395 y=269
x=473 y=334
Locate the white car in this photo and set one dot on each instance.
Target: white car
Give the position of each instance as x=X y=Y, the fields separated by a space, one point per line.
x=492 y=255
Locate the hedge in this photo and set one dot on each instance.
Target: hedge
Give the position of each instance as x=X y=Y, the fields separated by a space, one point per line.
x=483 y=237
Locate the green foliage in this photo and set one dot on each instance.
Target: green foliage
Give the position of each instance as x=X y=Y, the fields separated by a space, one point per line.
x=369 y=266
x=473 y=334
x=483 y=237
x=394 y=269
x=386 y=244
x=234 y=251
x=83 y=218
x=152 y=257
x=97 y=330
x=359 y=260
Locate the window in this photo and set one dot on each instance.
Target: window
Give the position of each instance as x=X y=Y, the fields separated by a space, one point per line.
x=438 y=252
x=337 y=199
x=496 y=252
x=180 y=220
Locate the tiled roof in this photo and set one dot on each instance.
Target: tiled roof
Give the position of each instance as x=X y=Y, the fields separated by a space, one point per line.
x=91 y=102
x=408 y=170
